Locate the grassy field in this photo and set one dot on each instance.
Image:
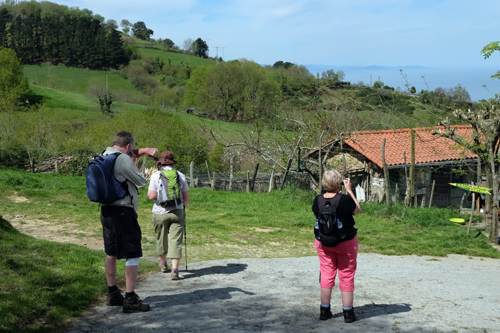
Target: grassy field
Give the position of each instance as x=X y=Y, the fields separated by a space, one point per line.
x=73 y=79
x=44 y=283
x=175 y=58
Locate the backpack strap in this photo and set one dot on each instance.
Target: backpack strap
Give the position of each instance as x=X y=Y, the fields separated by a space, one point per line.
x=335 y=201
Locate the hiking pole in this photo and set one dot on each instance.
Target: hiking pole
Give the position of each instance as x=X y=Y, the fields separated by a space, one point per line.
x=185 y=241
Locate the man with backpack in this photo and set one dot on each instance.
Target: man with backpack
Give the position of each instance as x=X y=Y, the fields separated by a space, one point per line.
x=169 y=188
x=121 y=230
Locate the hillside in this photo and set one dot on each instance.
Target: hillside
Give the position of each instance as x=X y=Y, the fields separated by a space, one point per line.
x=247 y=110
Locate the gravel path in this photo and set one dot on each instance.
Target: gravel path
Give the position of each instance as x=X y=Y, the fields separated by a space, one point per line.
x=393 y=293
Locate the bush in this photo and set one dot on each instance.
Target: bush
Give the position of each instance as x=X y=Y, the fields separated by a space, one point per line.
x=76 y=166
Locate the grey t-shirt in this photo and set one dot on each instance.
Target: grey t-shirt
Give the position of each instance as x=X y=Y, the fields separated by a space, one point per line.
x=125 y=170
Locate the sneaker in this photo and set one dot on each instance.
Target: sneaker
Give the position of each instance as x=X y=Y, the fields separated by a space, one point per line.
x=349 y=316
x=115 y=298
x=175 y=275
x=163 y=268
x=325 y=313
x=134 y=304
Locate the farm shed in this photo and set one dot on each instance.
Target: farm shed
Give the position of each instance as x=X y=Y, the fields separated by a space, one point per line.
x=436 y=159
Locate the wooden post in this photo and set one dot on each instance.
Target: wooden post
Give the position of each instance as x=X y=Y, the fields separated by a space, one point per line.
x=254 y=176
x=387 y=189
x=407 y=200
x=478 y=170
x=286 y=173
x=320 y=164
x=271 y=181
x=432 y=193
x=494 y=206
x=397 y=193
x=56 y=167
x=213 y=182
x=191 y=174
x=471 y=212
x=462 y=201
x=412 y=167
x=422 y=204
x=248 y=181
x=208 y=173
x=231 y=173
x=32 y=162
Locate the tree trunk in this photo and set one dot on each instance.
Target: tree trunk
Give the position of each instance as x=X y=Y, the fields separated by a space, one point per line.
x=231 y=174
x=494 y=206
x=254 y=176
x=412 y=167
x=388 y=197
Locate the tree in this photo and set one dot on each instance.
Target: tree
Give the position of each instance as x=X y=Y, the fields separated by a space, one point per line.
x=126 y=25
x=281 y=64
x=13 y=84
x=460 y=96
x=330 y=75
x=141 y=31
x=168 y=43
x=236 y=90
x=111 y=25
x=413 y=90
x=485 y=123
x=378 y=84
x=103 y=98
x=201 y=48
x=187 y=45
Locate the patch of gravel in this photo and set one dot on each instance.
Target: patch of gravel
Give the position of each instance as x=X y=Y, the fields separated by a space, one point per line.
x=393 y=293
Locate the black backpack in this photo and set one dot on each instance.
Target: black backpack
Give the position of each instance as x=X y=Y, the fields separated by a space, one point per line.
x=330 y=231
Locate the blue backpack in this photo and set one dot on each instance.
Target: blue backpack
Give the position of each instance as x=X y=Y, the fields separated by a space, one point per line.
x=102 y=186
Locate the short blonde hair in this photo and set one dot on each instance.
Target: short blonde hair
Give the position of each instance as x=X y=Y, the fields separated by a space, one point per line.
x=331 y=180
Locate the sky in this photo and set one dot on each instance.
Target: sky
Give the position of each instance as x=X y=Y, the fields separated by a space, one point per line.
x=330 y=33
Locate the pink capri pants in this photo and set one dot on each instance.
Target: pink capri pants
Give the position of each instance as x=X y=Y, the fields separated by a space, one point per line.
x=343 y=258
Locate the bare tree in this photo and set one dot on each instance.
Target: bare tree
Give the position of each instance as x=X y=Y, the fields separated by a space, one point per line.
x=101 y=95
x=299 y=134
x=187 y=45
x=485 y=143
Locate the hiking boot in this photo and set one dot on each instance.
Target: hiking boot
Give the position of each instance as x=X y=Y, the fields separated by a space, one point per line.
x=175 y=275
x=163 y=268
x=115 y=298
x=349 y=316
x=134 y=304
x=325 y=313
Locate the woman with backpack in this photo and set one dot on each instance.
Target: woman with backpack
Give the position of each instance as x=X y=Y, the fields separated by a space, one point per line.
x=169 y=188
x=336 y=242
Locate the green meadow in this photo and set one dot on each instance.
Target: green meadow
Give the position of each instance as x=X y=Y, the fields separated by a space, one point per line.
x=44 y=283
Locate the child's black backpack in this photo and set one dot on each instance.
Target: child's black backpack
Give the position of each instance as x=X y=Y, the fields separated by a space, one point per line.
x=329 y=230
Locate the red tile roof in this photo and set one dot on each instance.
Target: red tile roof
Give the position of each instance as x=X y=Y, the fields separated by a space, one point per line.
x=428 y=147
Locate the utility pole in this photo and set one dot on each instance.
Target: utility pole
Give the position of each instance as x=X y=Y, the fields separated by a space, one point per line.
x=222 y=47
x=217 y=54
x=208 y=47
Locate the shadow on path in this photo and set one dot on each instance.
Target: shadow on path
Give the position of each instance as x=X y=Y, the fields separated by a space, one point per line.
x=374 y=310
x=228 y=269
x=195 y=297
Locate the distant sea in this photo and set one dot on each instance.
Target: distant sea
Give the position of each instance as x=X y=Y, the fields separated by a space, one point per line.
x=472 y=79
